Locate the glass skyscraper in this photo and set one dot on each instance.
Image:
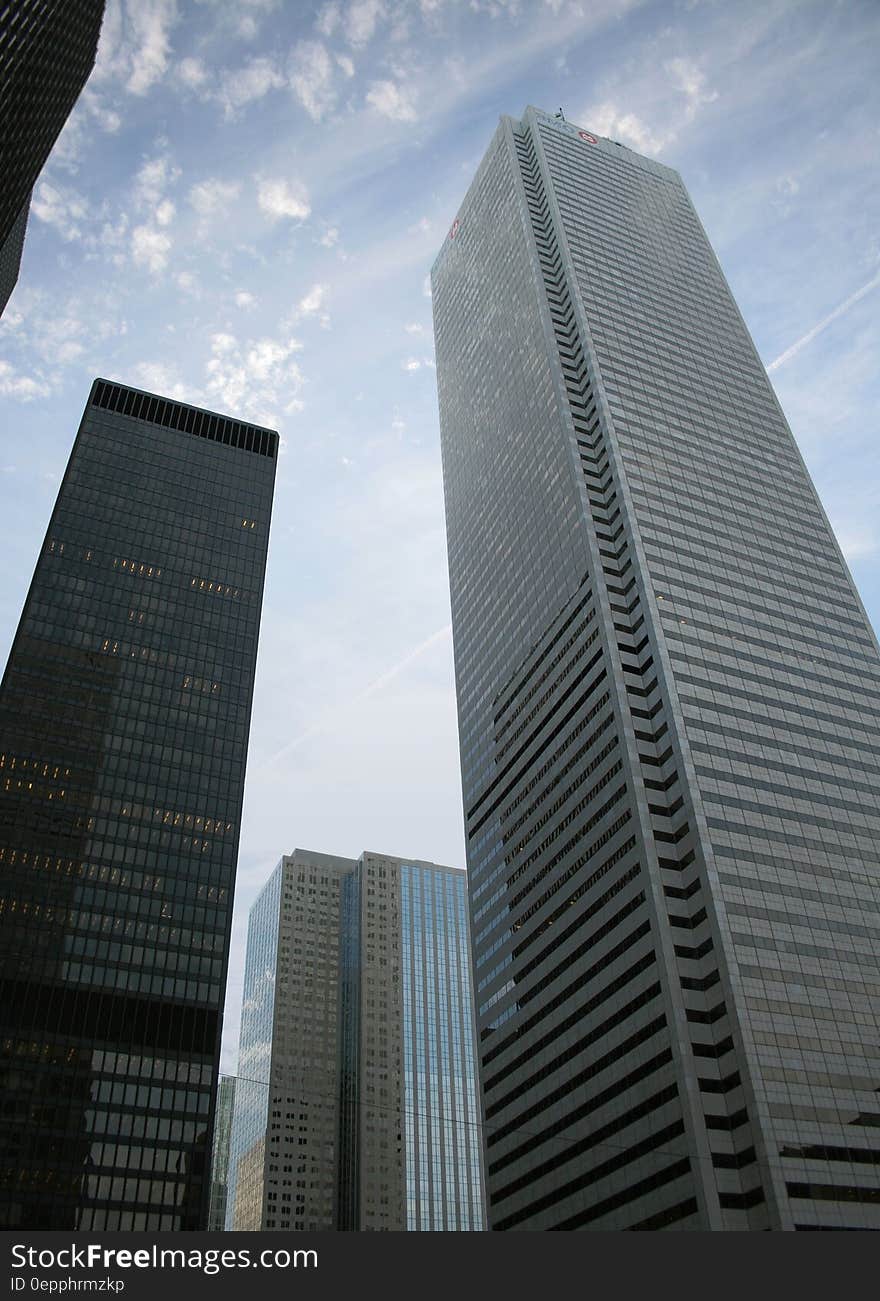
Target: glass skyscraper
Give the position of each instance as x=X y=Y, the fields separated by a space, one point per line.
x=356 y=1105
x=220 y=1154
x=124 y=717
x=669 y=722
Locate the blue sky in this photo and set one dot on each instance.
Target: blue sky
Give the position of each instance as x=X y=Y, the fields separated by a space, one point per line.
x=242 y=212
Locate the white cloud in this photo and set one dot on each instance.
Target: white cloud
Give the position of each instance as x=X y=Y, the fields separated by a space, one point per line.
x=392 y=101
x=150 y=248
x=278 y=198
x=12 y=319
x=330 y=237
x=688 y=78
x=212 y=196
x=361 y=17
x=607 y=120
x=67 y=351
x=187 y=282
x=60 y=207
x=256 y=378
x=151 y=23
x=153 y=178
x=135 y=43
x=221 y=344
x=311 y=78
x=93 y=104
x=159 y=377
x=165 y=212
x=313 y=300
x=346 y=64
x=411 y=363
x=245 y=299
x=328 y=19
x=78 y=133
x=192 y=72
x=264 y=357
x=21 y=387
x=247 y=84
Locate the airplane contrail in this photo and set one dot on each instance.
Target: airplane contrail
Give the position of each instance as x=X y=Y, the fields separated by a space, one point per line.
x=376 y=685
x=817 y=329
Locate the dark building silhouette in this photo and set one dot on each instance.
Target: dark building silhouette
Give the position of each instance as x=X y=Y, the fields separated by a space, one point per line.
x=124 y=717
x=668 y=714
x=47 y=50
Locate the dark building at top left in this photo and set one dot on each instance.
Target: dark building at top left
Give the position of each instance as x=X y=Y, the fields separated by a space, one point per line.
x=47 y=50
x=124 y=719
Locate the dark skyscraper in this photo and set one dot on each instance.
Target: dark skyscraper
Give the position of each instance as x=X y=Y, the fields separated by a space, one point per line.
x=47 y=50
x=668 y=710
x=124 y=717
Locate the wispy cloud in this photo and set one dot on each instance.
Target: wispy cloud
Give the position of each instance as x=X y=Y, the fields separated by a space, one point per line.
x=808 y=338
x=280 y=198
x=135 y=43
x=151 y=240
x=213 y=196
x=255 y=378
x=192 y=72
x=313 y=304
x=62 y=208
x=360 y=20
x=24 y=388
x=690 y=79
x=150 y=248
x=311 y=78
x=160 y=377
x=392 y=101
x=251 y=82
x=683 y=78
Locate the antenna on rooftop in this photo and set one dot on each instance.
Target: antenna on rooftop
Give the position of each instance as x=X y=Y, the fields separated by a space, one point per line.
x=560 y=115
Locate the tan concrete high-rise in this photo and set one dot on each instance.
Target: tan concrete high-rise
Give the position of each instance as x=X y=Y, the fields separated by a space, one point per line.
x=356 y=1105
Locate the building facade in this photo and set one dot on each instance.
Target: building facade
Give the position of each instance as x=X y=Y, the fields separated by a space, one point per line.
x=124 y=718
x=356 y=1104
x=668 y=712
x=220 y=1154
x=47 y=50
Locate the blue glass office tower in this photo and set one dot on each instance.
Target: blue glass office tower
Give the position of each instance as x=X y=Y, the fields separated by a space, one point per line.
x=443 y=1174
x=356 y=1106
x=667 y=692
x=124 y=717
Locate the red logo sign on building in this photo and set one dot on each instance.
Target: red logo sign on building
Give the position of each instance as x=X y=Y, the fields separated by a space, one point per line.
x=585 y=135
